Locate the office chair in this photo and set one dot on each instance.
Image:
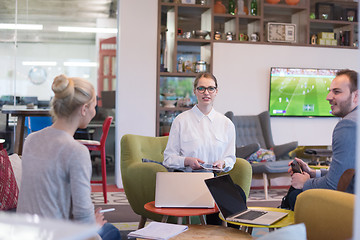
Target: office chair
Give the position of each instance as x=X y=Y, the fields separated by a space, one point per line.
x=34 y=124
x=347 y=179
x=100 y=146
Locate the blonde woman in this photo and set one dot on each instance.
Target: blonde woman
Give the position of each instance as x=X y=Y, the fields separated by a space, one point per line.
x=56 y=168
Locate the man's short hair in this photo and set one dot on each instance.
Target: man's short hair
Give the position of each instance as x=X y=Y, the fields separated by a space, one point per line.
x=352 y=75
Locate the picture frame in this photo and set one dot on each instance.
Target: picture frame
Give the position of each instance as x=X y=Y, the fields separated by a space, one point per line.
x=281 y=32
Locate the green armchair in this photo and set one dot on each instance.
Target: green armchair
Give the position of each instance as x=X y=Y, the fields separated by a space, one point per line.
x=139 y=177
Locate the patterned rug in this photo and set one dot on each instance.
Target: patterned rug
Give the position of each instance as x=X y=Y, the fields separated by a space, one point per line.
x=273 y=194
x=114 y=198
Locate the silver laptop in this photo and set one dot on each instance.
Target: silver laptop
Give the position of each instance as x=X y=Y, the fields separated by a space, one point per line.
x=231 y=201
x=183 y=189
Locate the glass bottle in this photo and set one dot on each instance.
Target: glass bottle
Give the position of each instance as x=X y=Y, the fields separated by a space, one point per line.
x=180 y=65
x=341 y=39
x=231 y=7
x=240 y=6
x=253 y=8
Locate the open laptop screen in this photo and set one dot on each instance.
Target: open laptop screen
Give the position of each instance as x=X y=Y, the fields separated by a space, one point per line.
x=227 y=195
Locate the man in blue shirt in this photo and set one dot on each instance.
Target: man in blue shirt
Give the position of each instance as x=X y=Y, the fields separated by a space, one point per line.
x=343 y=98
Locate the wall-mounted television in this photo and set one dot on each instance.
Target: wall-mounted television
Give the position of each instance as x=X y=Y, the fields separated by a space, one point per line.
x=300 y=92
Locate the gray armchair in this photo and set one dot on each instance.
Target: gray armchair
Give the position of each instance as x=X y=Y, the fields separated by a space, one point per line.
x=254 y=132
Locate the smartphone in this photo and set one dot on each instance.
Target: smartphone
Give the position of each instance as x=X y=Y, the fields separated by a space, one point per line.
x=209 y=166
x=296 y=167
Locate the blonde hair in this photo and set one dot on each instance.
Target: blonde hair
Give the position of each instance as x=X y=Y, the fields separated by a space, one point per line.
x=70 y=94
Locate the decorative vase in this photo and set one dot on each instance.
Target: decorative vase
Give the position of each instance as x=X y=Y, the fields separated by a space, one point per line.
x=219 y=7
x=273 y=1
x=246 y=10
x=292 y=2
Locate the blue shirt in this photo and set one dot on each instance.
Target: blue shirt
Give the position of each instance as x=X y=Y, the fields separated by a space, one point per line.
x=344 y=155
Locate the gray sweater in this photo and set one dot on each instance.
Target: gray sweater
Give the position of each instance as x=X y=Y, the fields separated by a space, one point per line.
x=56 y=172
x=344 y=154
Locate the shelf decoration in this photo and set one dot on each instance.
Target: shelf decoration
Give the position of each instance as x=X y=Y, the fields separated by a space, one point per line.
x=273 y=1
x=219 y=7
x=292 y=2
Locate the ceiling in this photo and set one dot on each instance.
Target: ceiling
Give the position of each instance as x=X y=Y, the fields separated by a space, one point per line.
x=54 y=13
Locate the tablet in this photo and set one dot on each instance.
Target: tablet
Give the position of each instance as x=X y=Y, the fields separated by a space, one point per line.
x=209 y=166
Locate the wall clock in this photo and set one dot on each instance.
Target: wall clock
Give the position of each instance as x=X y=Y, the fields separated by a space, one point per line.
x=37 y=75
x=281 y=32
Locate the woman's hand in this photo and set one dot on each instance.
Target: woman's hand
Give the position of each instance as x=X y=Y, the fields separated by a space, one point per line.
x=194 y=163
x=99 y=217
x=219 y=163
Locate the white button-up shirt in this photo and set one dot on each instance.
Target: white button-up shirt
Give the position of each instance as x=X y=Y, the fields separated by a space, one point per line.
x=207 y=137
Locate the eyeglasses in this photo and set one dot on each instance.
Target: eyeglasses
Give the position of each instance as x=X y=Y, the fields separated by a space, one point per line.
x=202 y=89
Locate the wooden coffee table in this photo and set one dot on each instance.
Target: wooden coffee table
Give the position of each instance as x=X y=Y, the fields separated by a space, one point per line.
x=286 y=221
x=180 y=212
x=212 y=232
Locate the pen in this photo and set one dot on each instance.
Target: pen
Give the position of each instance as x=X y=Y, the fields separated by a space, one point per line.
x=107 y=210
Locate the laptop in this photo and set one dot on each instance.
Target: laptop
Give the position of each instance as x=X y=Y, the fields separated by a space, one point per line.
x=231 y=201
x=183 y=190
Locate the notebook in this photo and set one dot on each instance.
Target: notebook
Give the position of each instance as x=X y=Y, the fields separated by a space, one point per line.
x=231 y=201
x=183 y=190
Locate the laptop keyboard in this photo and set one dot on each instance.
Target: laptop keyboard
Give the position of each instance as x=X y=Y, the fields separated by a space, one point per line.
x=251 y=215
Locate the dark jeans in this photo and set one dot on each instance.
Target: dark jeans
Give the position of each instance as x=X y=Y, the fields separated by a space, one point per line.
x=109 y=232
x=292 y=197
x=289 y=200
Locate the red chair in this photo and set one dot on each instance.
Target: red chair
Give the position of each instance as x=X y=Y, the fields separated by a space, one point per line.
x=100 y=146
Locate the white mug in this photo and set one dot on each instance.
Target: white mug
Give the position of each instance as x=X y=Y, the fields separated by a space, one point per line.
x=254 y=37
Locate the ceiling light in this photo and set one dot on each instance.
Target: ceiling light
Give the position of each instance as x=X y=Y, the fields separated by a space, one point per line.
x=39 y=63
x=80 y=64
x=21 y=26
x=86 y=29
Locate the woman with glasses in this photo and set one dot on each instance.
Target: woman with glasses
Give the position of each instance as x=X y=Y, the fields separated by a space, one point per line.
x=201 y=135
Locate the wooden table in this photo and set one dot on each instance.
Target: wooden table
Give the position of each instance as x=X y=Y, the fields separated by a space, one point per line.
x=21 y=113
x=180 y=212
x=318 y=166
x=212 y=232
x=286 y=221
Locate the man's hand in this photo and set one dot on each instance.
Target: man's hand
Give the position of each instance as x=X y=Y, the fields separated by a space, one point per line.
x=298 y=179
x=304 y=167
x=99 y=217
x=193 y=163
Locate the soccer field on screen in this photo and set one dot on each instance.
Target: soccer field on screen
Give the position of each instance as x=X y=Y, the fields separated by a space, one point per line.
x=300 y=96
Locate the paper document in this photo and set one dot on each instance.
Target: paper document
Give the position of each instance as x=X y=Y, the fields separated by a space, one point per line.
x=157 y=230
